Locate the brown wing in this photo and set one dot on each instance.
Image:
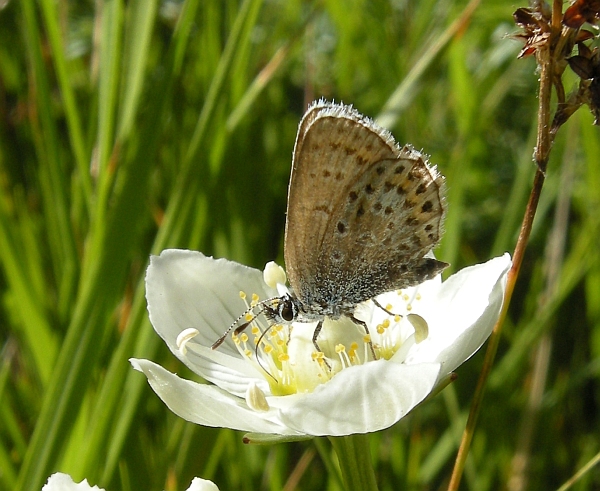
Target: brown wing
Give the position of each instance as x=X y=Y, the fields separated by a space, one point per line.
x=362 y=212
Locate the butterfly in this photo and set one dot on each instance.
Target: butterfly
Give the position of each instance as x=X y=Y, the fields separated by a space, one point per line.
x=362 y=215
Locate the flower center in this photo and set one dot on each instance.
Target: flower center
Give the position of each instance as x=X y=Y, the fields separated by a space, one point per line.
x=287 y=357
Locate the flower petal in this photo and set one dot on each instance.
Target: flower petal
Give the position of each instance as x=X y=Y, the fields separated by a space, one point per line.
x=202 y=485
x=206 y=404
x=466 y=309
x=187 y=289
x=64 y=482
x=362 y=399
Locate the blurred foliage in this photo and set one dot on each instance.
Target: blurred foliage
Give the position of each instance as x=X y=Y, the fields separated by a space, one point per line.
x=130 y=127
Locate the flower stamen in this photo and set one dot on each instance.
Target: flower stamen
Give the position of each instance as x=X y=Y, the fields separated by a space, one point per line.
x=184 y=338
x=256 y=399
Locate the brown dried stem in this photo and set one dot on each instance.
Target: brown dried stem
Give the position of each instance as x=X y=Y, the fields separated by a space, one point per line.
x=542 y=152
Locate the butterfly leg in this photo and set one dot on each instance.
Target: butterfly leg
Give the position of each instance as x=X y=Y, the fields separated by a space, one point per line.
x=419 y=324
x=364 y=326
x=316 y=335
x=382 y=307
x=316 y=345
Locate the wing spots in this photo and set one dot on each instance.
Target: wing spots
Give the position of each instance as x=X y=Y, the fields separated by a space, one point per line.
x=387 y=241
x=390 y=226
x=377 y=206
x=369 y=189
x=399 y=169
x=339 y=176
x=360 y=212
x=323 y=208
x=341 y=227
x=350 y=151
x=409 y=204
x=400 y=190
x=388 y=210
x=380 y=170
x=387 y=186
x=365 y=238
x=352 y=196
x=326 y=173
x=428 y=227
x=427 y=207
x=422 y=188
x=412 y=222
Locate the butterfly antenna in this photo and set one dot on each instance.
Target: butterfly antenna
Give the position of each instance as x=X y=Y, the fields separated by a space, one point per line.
x=243 y=326
x=256 y=352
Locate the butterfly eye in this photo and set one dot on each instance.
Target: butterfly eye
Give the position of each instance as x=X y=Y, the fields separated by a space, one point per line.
x=287 y=311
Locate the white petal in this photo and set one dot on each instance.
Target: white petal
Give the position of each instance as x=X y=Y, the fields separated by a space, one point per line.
x=274 y=274
x=362 y=399
x=466 y=309
x=64 y=482
x=202 y=485
x=186 y=289
x=206 y=404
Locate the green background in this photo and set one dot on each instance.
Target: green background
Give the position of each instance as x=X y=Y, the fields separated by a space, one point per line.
x=131 y=127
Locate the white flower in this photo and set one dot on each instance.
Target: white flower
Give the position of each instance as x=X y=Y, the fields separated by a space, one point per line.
x=284 y=386
x=64 y=482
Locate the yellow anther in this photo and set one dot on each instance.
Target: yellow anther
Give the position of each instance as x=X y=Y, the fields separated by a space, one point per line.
x=418 y=296
x=255 y=330
x=386 y=323
x=340 y=348
x=235 y=338
x=380 y=329
x=255 y=297
x=243 y=295
x=367 y=338
x=244 y=337
x=248 y=353
x=397 y=318
x=283 y=357
x=268 y=349
x=389 y=306
x=354 y=346
x=280 y=342
x=248 y=317
x=405 y=297
x=409 y=307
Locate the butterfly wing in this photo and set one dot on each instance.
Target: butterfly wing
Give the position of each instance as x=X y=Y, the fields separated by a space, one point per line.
x=362 y=212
